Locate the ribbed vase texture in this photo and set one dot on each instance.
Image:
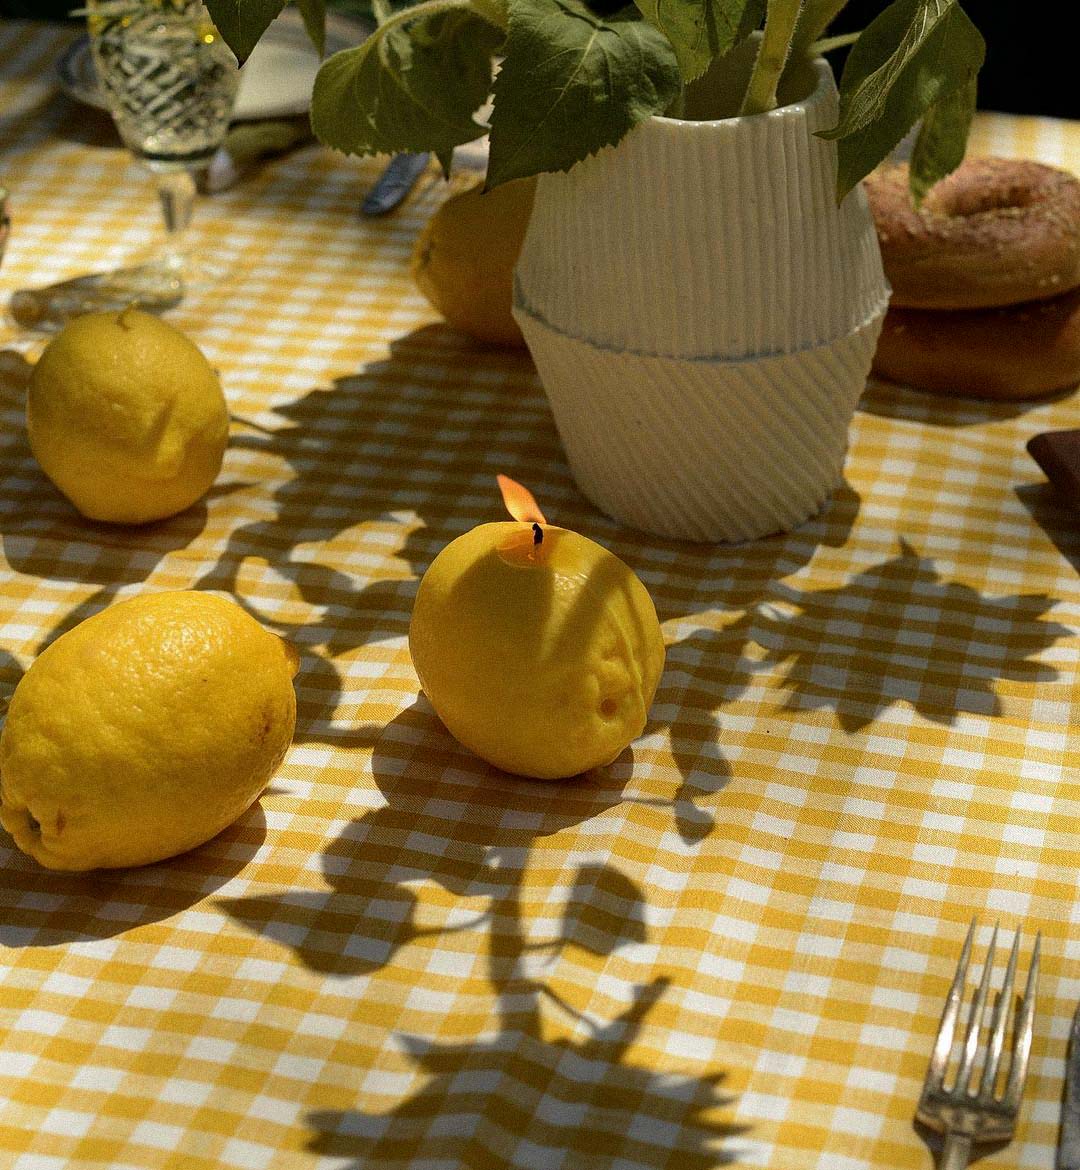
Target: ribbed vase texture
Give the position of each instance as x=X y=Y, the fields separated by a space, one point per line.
x=703 y=317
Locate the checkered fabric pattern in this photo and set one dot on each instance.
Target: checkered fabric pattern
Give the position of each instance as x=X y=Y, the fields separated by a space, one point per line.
x=732 y=944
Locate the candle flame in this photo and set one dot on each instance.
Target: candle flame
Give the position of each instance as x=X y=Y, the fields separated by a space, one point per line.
x=519 y=501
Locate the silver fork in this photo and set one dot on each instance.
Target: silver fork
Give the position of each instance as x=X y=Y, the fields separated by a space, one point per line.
x=970 y=1111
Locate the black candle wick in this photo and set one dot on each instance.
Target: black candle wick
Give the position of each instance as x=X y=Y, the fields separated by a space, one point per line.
x=538 y=534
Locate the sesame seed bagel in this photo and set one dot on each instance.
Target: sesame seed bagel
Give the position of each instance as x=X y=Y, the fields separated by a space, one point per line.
x=995 y=232
x=1010 y=354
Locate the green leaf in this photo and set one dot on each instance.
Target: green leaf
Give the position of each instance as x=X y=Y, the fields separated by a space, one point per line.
x=314 y=14
x=915 y=54
x=699 y=30
x=408 y=88
x=242 y=22
x=573 y=82
x=493 y=11
x=939 y=147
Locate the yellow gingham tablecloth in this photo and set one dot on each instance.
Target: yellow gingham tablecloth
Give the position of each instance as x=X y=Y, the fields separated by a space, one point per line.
x=731 y=945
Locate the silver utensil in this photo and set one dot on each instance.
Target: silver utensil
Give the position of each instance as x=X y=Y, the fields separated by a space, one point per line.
x=970 y=1111
x=396 y=181
x=153 y=287
x=1068 y=1152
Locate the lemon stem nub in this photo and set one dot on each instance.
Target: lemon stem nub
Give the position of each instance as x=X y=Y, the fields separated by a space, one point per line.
x=538 y=534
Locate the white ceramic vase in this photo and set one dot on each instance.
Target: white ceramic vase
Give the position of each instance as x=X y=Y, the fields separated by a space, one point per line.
x=703 y=315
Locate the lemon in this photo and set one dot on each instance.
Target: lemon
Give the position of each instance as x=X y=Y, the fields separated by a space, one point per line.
x=543 y=668
x=126 y=417
x=144 y=731
x=464 y=258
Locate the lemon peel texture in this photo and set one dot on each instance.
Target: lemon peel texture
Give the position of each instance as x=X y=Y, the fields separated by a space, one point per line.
x=144 y=731
x=463 y=260
x=126 y=417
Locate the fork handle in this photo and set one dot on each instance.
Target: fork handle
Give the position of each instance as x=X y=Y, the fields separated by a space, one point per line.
x=956 y=1152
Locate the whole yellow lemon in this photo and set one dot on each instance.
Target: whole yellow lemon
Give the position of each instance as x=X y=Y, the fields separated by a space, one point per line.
x=144 y=731
x=464 y=258
x=126 y=417
x=542 y=665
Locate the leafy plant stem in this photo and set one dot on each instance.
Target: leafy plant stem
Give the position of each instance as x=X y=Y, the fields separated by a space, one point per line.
x=780 y=20
x=815 y=18
x=827 y=44
x=677 y=109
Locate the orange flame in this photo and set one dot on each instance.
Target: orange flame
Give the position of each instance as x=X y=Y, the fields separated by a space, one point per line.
x=519 y=501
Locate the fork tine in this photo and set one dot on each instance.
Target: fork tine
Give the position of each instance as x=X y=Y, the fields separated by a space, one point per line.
x=1024 y=1027
x=939 y=1058
x=997 y=1025
x=975 y=1019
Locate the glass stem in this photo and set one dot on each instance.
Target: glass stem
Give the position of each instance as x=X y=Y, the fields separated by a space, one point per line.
x=176 y=190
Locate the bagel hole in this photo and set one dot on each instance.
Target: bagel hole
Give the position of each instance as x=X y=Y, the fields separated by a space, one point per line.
x=979 y=199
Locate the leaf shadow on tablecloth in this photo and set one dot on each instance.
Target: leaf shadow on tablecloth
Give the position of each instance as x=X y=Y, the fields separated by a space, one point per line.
x=484 y=843
x=901 y=632
x=54 y=543
x=716 y=589
x=441 y=816
x=518 y=1100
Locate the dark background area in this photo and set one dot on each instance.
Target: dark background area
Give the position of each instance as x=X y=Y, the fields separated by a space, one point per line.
x=1031 y=59
x=1031 y=65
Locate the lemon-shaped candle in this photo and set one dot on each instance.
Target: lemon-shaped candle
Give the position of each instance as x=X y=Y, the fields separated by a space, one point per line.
x=538 y=648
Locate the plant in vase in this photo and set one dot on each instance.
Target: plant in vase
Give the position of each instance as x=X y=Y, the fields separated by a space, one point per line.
x=703 y=301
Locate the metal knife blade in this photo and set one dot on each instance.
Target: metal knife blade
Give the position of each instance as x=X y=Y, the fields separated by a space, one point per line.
x=1068 y=1152
x=394 y=183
